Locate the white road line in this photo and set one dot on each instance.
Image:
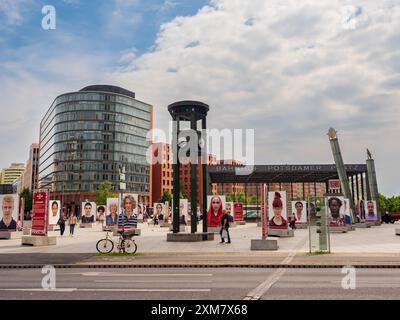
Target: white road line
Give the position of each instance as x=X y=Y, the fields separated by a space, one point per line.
x=153 y=281
x=107 y=290
x=259 y=291
x=101 y=274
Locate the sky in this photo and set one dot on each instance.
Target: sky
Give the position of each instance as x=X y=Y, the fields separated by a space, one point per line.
x=288 y=69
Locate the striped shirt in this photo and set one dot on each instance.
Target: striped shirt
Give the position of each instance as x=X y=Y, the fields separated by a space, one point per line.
x=125 y=223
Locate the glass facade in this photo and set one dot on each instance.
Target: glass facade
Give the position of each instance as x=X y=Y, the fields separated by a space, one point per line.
x=86 y=136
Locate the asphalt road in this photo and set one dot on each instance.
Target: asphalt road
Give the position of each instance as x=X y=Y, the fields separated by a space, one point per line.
x=200 y=284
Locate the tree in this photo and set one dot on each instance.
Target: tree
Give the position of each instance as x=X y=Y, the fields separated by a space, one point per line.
x=104 y=192
x=28 y=197
x=240 y=197
x=167 y=196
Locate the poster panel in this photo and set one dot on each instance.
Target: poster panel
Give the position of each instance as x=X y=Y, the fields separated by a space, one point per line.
x=89 y=210
x=335 y=210
x=54 y=212
x=299 y=210
x=347 y=211
x=159 y=211
x=112 y=211
x=9 y=212
x=371 y=212
x=238 y=211
x=277 y=210
x=40 y=208
x=128 y=217
x=216 y=207
x=101 y=212
x=183 y=211
x=229 y=208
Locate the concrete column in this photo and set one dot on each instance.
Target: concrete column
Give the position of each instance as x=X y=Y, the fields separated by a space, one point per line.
x=176 y=175
x=373 y=184
x=337 y=156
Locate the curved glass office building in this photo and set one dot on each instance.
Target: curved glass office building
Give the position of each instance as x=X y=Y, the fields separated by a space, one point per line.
x=86 y=136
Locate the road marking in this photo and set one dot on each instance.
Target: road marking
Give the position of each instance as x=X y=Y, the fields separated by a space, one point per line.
x=259 y=291
x=153 y=281
x=107 y=290
x=101 y=274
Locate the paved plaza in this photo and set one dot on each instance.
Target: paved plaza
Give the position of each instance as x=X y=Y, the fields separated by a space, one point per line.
x=380 y=240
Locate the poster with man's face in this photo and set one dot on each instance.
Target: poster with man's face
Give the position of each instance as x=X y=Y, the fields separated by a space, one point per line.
x=130 y=202
x=299 y=209
x=229 y=208
x=335 y=210
x=277 y=210
x=112 y=211
x=89 y=211
x=9 y=212
x=216 y=207
x=371 y=212
x=54 y=212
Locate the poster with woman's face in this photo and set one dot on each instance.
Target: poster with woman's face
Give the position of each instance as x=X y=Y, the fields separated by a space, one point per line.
x=101 y=213
x=371 y=212
x=335 y=210
x=158 y=209
x=112 y=211
x=216 y=207
x=9 y=204
x=130 y=202
x=54 y=212
x=277 y=210
x=299 y=209
x=89 y=211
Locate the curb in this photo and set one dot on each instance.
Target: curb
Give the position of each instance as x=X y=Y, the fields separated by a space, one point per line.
x=154 y=266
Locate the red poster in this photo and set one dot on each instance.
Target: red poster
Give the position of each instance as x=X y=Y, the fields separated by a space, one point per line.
x=39 y=220
x=238 y=211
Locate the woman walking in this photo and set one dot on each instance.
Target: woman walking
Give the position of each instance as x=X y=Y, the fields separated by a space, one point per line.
x=72 y=222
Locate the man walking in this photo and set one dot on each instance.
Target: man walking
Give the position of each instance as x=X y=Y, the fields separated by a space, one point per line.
x=225 y=227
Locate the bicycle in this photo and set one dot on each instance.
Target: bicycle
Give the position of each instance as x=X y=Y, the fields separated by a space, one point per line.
x=125 y=244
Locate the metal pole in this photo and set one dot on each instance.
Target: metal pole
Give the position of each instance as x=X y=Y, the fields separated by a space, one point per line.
x=205 y=175
x=176 y=182
x=193 y=174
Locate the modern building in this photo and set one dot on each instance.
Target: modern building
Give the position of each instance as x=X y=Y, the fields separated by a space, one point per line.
x=11 y=174
x=87 y=136
x=28 y=179
x=6 y=189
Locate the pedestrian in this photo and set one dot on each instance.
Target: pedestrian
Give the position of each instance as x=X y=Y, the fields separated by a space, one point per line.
x=292 y=223
x=72 y=222
x=225 y=227
x=61 y=223
x=155 y=219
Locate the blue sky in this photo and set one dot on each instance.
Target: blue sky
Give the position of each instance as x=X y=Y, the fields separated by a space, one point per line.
x=287 y=69
x=105 y=26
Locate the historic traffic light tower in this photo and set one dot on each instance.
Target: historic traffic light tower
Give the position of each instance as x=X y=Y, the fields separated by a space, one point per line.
x=189 y=144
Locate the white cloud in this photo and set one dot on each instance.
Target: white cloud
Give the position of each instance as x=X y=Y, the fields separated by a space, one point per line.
x=290 y=70
x=12 y=11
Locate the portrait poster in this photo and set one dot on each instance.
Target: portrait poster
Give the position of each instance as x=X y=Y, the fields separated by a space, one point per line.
x=88 y=212
x=299 y=210
x=335 y=211
x=9 y=212
x=112 y=211
x=216 y=207
x=371 y=212
x=54 y=212
x=277 y=210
